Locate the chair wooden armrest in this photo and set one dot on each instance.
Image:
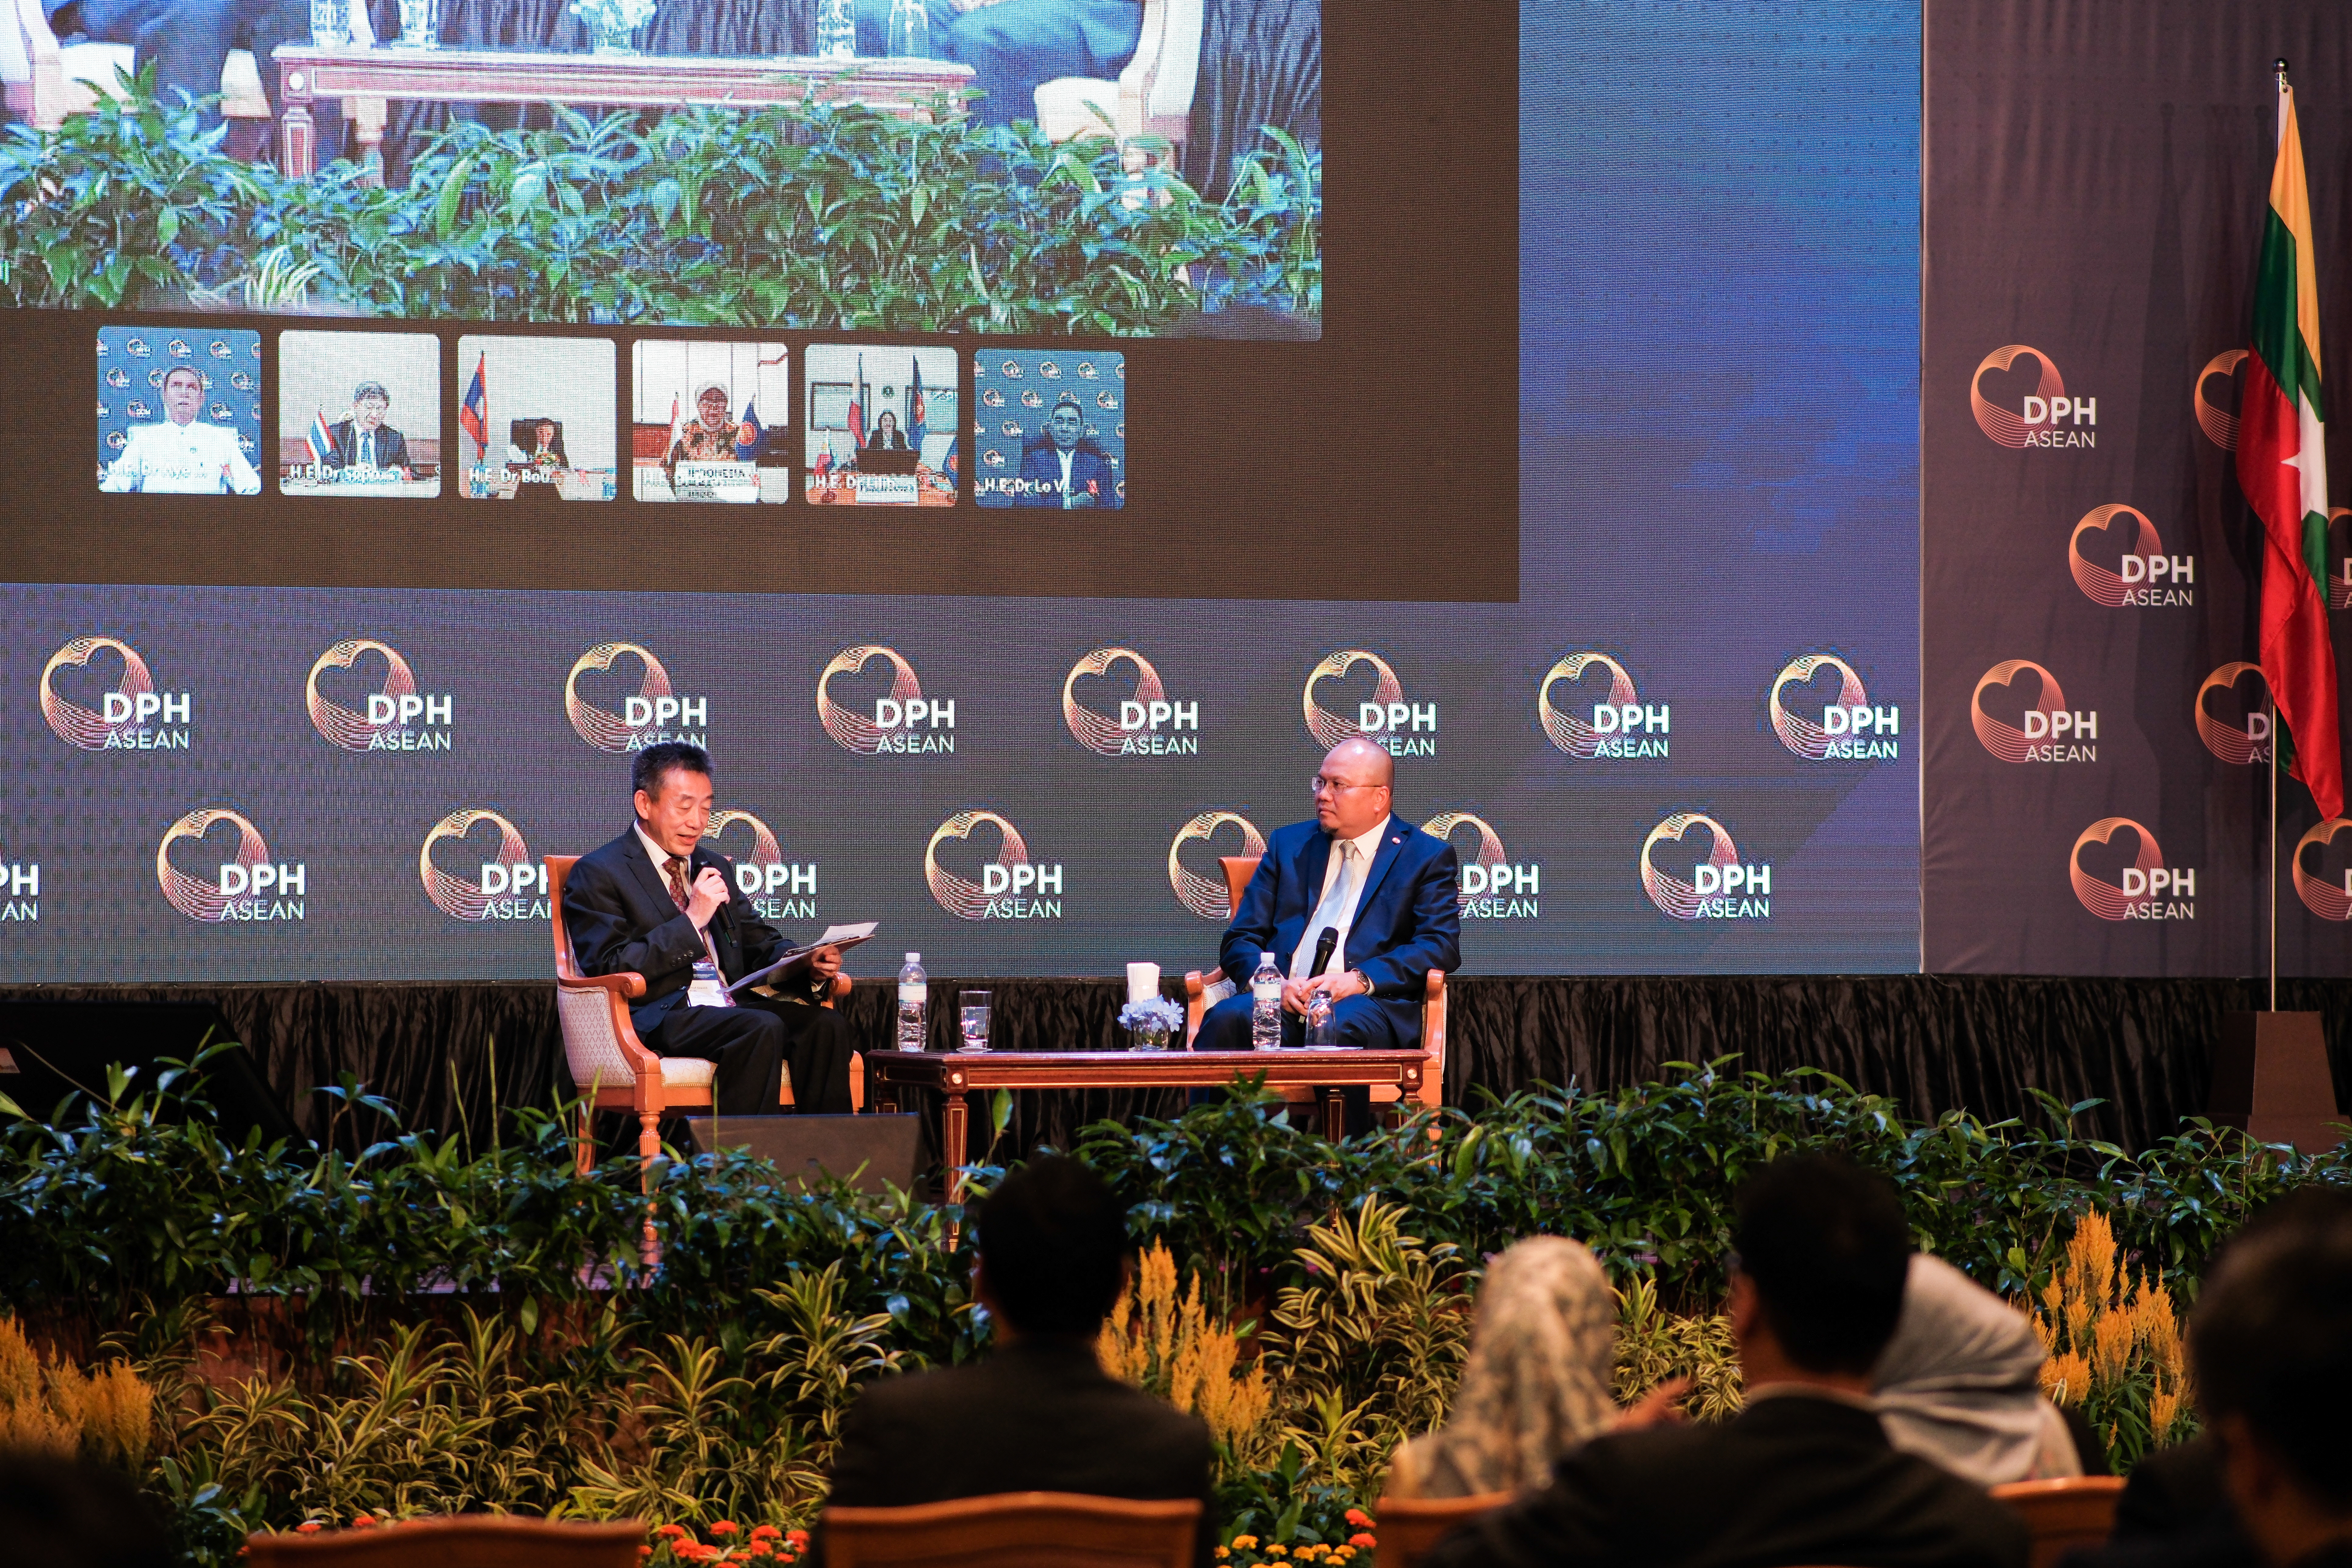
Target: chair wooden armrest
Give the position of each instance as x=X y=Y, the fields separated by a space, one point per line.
x=1196 y=1001
x=1409 y=1527
x=2065 y=1515
x=459 y=1540
x=624 y=984
x=1015 y=1530
x=40 y=98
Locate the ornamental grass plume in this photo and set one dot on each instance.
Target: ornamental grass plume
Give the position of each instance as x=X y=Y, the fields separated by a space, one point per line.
x=1168 y=1346
x=2115 y=1344
x=57 y=1408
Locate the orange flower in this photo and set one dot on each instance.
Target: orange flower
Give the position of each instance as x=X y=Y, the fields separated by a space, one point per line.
x=1362 y=1539
x=362 y=1521
x=309 y=1527
x=725 y=1527
x=672 y=1530
x=766 y=1532
x=797 y=1537
x=1359 y=1517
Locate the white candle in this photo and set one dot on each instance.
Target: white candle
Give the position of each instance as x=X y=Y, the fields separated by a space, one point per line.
x=1142 y=981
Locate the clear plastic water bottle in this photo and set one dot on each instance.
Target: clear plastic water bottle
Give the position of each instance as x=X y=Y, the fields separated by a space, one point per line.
x=1266 y=1004
x=914 y=1003
x=910 y=29
x=837 y=29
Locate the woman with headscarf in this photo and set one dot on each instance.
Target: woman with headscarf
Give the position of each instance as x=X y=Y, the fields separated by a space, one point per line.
x=709 y=436
x=1543 y=1355
x=1961 y=1384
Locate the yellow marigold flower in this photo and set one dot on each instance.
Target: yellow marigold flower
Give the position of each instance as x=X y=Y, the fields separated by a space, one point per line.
x=1244 y=1542
x=1277 y=1551
x=1224 y=1553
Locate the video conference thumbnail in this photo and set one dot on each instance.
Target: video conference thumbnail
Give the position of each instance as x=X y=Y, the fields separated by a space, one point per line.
x=179 y=411
x=881 y=426
x=1050 y=429
x=711 y=421
x=358 y=413
x=536 y=417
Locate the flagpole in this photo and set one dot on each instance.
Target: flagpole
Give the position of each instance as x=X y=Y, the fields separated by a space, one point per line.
x=2275 y=848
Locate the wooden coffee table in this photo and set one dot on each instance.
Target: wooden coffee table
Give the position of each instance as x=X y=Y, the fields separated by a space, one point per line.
x=959 y=1073
x=902 y=86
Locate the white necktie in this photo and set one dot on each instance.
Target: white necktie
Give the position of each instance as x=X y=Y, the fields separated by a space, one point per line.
x=1333 y=911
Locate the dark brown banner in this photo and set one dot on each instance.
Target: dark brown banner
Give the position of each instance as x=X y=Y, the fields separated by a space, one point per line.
x=2095 y=791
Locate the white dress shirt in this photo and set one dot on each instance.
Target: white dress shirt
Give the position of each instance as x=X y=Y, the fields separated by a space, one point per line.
x=1352 y=858
x=195 y=458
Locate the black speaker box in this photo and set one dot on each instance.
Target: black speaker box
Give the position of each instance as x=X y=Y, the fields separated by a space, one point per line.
x=864 y=1150
x=49 y=1049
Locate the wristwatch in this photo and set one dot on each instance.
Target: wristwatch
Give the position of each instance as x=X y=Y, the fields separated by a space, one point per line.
x=1363 y=980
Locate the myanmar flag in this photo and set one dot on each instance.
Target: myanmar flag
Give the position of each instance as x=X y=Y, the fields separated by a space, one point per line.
x=2282 y=468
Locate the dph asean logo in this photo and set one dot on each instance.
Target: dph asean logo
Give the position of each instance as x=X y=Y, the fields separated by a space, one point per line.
x=248 y=886
x=645 y=718
x=1009 y=887
x=1849 y=727
x=1722 y=887
x=778 y=889
x=1206 y=896
x=2039 y=414
x=2047 y=730
x=1141 y=718
x=2143 y=576
x=2323 y=896
x=904 y=722
x=506 y=885
x=1491 y=886
x=394 y=719
x=125 y=717
x=2147 y=890
x=2242 y=739
x=1621 y=726
x=1387 y=721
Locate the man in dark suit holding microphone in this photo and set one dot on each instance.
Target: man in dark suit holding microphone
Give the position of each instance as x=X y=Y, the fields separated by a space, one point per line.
x=657 y=901
x=1386 y=889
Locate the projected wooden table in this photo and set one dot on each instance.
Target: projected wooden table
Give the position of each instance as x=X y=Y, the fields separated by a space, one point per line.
x=898 y=86
x=961 y=1074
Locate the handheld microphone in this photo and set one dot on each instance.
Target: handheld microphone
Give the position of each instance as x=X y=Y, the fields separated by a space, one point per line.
x=1324 y=944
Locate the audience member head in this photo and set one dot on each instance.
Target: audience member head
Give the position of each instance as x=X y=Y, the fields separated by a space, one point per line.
x=1053 y=1249
x=1543 y=1356
x=1960 y=1382
x=1354 y=788
x=2271 y=1343
x=671 y=781
x=1823 y=1250
x=74 y=1515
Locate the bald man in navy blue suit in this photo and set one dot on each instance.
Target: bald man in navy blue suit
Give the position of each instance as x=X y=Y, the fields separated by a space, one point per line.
x=1386 y=886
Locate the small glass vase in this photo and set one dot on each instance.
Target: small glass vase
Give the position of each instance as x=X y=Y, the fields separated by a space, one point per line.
x=606 y=39
x=1148 y=1038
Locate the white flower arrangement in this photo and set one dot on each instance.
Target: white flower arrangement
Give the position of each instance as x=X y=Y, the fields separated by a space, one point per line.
x=614 y=16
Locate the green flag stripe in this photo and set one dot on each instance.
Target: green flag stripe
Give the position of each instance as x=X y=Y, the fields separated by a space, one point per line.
x=2277 y=337
x=2314 y=551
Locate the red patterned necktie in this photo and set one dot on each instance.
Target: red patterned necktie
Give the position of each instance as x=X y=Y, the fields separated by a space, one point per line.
x=677 y=882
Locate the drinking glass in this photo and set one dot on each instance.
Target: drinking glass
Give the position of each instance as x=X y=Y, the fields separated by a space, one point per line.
x=330 y=24
x=974 y=1006
x=420 y=24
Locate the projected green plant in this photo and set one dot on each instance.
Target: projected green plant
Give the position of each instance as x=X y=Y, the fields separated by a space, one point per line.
x=824 y=217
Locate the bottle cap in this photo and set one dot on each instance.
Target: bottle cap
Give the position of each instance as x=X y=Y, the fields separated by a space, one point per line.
x=1265 y=955
x=914 y=958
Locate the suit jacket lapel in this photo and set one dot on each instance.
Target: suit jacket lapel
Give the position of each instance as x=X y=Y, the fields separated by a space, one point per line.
x=649 y=875
x=1393 y=837
x=1313 y=862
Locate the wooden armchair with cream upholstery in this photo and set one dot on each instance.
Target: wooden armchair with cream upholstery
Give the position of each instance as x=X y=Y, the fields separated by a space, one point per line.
x=2072 y=1514
x=1409 y=1527
x=456 y=1541
x=612 y=1069
x=46 y=81
x=1238 y=870
x=1153 y=95
x=1016 y=1530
